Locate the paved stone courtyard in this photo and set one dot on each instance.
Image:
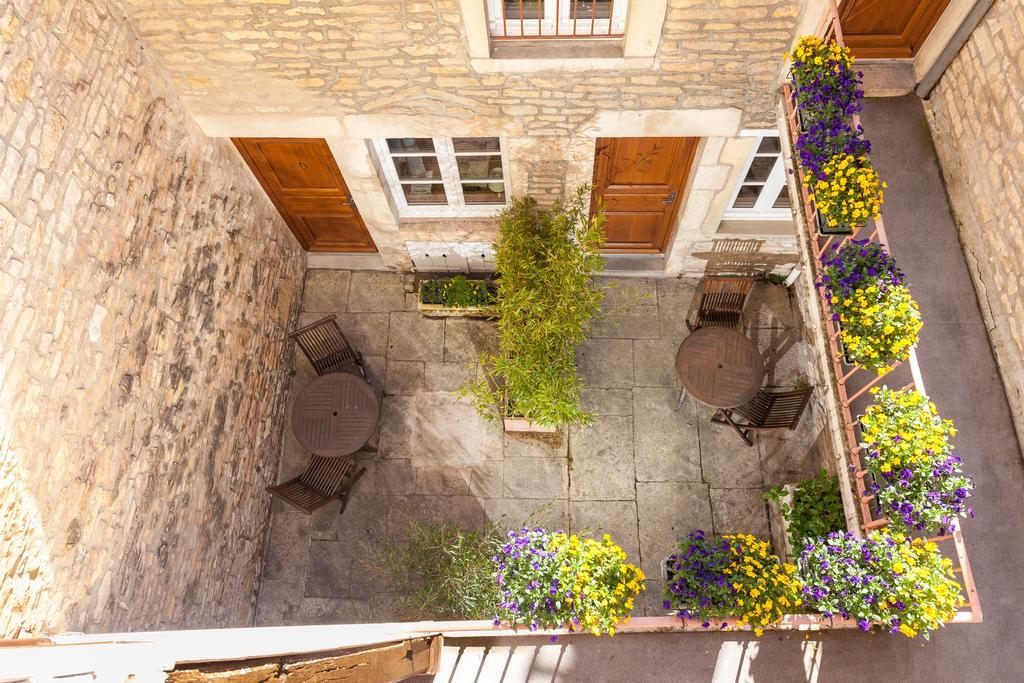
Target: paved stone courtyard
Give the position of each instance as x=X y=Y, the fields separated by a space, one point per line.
x=645 y=471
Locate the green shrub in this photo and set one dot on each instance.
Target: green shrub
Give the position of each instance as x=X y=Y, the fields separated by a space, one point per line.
x=817 y=508
x=546 y=299
x=442 y=572
x=457 y=292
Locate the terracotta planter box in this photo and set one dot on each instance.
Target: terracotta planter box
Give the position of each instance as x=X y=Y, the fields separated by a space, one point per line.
x=442 y=311
x=520 y=424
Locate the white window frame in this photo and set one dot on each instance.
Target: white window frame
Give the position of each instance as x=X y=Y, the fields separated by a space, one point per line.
x=546 y=25
x=447 y=157
x=771 y=188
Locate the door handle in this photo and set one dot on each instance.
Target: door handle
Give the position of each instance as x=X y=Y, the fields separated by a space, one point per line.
x=347 y=202
x=670 y=200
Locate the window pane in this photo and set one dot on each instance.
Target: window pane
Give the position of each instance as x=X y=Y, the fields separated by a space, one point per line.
x=484 y=193
x=783 y=201
x=425 y=193
x=410 y=145
x=760 y=167
x=479 y=168
x=747 y=197
x=417 y=168
x=602 y=9
x=530 y=9
x=476 y=144
x=769 y=146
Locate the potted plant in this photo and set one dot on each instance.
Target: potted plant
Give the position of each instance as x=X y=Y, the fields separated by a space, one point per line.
x=556 y=580
x=825 y=84
x=846 y=194
x=886 y=579
x=809 y=509
x=458 y=296
x=918 y=481
x=730 y=576
x=546 y=299
x=878 y=319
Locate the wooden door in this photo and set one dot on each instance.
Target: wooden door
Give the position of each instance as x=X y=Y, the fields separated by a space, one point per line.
x=641 y=182
x=888 y=28
x=302 y=179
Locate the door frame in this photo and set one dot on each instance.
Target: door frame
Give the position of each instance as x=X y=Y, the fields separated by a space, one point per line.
x=302 y=234
x=666 y=240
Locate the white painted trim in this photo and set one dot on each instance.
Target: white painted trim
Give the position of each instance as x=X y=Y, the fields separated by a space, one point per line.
x=450 y=179
x=770 y=189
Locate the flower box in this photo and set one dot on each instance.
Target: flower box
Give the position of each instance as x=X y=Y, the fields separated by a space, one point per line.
x=521 y=424
x=825 y=229
x=442 y=311
x=457 y=296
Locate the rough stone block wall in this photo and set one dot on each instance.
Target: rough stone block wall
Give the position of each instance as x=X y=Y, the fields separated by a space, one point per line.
x=340 y=57
x=977 y=118
x=146 y=286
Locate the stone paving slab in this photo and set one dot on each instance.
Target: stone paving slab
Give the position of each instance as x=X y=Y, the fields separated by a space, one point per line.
x=647 y=471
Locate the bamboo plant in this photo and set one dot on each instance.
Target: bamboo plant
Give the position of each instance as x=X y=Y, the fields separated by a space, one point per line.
x=547 y=298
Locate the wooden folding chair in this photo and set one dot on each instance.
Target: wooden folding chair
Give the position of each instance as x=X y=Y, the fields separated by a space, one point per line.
x=767 y=410
x=325 y=346
x=324 y=480
x=722 y=301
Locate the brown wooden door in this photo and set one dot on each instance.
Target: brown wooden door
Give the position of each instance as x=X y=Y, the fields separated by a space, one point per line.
x=303 y=180
x=641 y=182
x=888 y=28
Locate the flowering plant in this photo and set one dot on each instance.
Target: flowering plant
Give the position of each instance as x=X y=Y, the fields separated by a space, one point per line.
x=732 y=576
x=856 y=264
x=824 y=139
x=879 y=324
x=847 y=192
x=552 y=580
x=825 y=84
x=906 y=586
x=919 y=482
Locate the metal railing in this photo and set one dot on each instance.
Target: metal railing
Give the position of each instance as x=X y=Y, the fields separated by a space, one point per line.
x=562 y=19
x=852 y=382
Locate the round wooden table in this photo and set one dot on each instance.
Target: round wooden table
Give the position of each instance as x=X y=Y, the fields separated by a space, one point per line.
x=335 y=414
x=720 y=367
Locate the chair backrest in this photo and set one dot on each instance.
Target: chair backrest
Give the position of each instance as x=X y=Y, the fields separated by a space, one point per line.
x=326 y=475
x=326 y=347
x=775 y=409
x=722 y=300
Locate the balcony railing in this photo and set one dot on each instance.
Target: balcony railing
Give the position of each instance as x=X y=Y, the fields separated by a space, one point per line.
x=563 y=19
x=852 y=383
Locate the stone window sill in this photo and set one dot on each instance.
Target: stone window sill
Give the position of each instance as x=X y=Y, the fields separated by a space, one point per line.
x=529 y=56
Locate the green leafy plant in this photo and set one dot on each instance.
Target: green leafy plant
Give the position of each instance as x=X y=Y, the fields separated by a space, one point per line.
x=457 y=292
x=817 y=508
x=547 y=298
x=441 y=571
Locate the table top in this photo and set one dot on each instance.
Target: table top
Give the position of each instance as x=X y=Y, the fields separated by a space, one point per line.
x=335 y=414
x=720 y=367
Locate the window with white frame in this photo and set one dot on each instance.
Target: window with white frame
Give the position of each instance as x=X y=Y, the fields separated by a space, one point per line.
x=762 y=194
x=444 y=176
x=556 y=18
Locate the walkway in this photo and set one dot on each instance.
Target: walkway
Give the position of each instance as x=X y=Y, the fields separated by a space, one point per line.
x=963 y=381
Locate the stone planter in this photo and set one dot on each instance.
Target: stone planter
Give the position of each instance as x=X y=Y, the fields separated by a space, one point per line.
x=521 y=424
x=442 y=311
x=779 y=525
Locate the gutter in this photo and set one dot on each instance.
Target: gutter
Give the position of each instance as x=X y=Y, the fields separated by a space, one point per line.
x=953 y=47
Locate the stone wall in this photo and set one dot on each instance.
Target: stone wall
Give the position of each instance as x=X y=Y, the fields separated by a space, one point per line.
x=337 y=57
x=977 y=117
x=146 y=285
